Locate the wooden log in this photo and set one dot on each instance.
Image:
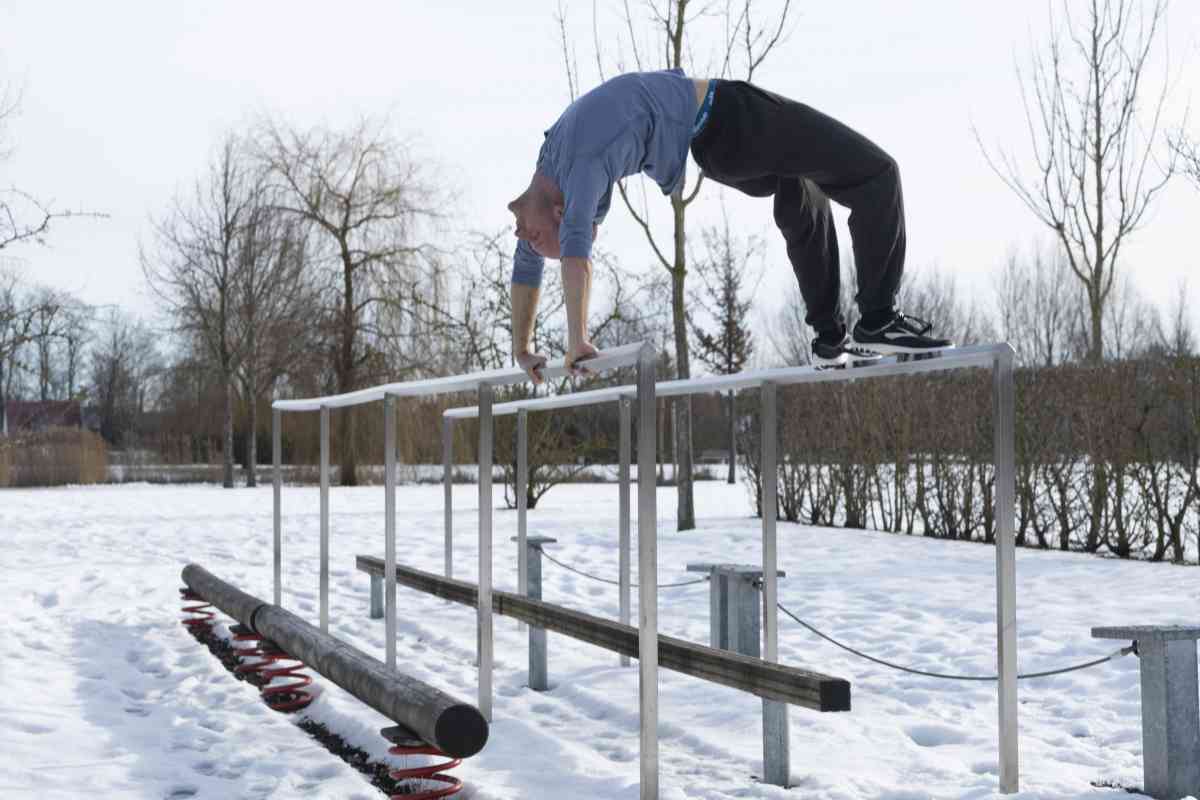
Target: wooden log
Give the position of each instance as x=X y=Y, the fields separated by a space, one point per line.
x=771 y=681
x=230 y=599
x=457 y=728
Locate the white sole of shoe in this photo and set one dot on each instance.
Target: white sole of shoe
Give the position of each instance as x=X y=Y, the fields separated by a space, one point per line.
x=895 y=349
x=826 y=363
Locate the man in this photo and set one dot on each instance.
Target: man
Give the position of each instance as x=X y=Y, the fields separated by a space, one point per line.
x=744 y=137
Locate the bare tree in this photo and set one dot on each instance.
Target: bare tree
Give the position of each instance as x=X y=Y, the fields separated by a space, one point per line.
x=1040 y=305
x=75 y=334
x=364 y=197
x=1176 y=336
x=1131 y=323
x=124 y=362
x=1096 y=176
x=195 y=264
x=729 y=345
x=23 y=217
x=48 y=319
x=667 y=34
x=273 y=303
x=1188 y=151
x=933 y=295
x=16 y=327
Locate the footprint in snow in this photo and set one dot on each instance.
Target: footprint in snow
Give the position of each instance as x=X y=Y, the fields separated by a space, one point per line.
x=935 y=735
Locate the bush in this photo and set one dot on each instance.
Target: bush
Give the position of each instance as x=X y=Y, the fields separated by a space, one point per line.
x=1107 y=456
x=53 y=457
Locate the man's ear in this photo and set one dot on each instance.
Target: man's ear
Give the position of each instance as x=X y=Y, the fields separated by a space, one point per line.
x=558 y=212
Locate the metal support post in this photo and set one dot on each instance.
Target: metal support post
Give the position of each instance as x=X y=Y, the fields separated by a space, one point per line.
x=324 y=520
x=277 y=493
x=735 y=608
x=1004 y=428
x=389 y=525
x=1170 y=706
x=647 y=575
x=624 y=580
x=776 y=753
x=448 y=493
x=522 y=490
x=486 y=632
x=539 y=676
x=376 y=597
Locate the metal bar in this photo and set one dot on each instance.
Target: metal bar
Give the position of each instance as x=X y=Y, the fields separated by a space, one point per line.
x=486 y=631
x=960 y=358
x=605 y=361
x=448 y=493
x=770 y=550
x=376 y=611
x=624 y=550
x=539 y=673
x=522 y=500
x=776 y=748
x=324 y=589
x=1004 y=429
x=277 y=495
x=761 y=678
x=647 y=574
x=389 y=525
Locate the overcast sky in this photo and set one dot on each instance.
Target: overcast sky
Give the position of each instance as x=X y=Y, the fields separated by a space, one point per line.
x=125 y=102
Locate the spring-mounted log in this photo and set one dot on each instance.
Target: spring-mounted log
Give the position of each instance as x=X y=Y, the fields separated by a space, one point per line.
x=423 y=782
x=289 y=696
x=200 y=608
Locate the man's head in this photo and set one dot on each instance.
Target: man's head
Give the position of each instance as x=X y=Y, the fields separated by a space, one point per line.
x=539 y=212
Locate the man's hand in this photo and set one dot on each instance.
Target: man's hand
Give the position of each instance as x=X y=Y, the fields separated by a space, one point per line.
x=580 y=352
x=532 y=363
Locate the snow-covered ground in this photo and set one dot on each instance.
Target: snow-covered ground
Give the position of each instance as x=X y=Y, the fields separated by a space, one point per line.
x=104 y=694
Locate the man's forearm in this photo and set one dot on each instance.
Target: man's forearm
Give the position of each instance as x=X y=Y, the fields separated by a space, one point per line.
x=577 y=289
x=524 y=309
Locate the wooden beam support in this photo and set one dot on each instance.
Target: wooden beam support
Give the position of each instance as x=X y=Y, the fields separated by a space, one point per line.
x=771 y=681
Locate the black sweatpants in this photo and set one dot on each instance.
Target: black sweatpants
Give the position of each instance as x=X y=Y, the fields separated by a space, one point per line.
x=763 y=144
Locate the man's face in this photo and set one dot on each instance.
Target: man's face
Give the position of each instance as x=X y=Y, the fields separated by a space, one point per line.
x=537 y=224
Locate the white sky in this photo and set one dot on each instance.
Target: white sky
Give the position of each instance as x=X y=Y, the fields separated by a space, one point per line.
x=124 y=103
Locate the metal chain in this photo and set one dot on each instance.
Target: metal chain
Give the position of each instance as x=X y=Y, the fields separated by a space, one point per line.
x=1124 y=651
x=554 y=560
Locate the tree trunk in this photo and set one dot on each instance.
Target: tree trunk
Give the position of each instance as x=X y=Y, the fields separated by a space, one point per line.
x=227 y=429
x=1096 y=351
x=683 y=364
x=732 y=438
x=346 y=375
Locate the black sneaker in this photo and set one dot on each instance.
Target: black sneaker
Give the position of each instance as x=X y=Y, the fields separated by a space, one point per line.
x=903 y=334
x=836 y=353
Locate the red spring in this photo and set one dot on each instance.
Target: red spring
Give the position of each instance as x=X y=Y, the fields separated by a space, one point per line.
x=421 y=782
x=204 y=616
x=289 y=696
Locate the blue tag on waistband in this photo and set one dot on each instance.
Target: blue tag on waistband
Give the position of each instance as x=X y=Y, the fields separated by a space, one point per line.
x=705 y=109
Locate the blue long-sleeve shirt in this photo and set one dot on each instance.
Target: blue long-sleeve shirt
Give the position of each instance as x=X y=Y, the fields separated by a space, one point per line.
x=638 y=122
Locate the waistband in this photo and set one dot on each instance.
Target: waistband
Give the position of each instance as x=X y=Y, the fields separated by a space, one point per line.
x=705 y=109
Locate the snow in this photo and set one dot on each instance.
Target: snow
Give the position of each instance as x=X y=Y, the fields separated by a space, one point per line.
x=103 y=692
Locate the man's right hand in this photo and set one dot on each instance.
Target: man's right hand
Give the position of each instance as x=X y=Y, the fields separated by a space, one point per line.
x=532 y=363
